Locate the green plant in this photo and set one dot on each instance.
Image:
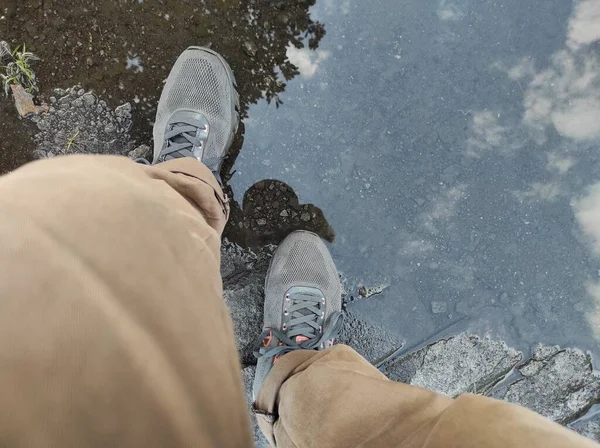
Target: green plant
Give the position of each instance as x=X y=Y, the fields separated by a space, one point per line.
x=71 y=141
x=18 y=70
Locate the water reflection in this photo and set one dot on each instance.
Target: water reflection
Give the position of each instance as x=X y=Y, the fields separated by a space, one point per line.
x=124 y=49
x=271 y=211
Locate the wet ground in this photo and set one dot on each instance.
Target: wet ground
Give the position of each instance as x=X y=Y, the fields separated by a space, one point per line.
x=448 y=149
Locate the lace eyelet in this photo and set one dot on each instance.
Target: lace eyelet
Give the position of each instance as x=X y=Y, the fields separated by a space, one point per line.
x=322 y=314
x=285 y=312
x=323 y=300
x=287 y=297
x=284 y=327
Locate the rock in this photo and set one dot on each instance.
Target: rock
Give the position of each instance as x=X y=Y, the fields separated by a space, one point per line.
x=464 y=363
x=305 y=217
x=139 y=152
x=123 y=111
x=541 y=352
x=261 y=222
x=59 y=92
x=420 y=201
x=369 y=340
x=78 y=102
x=39 y=154
x=439 y=307
x=109 y=128
x=250 y=48
x=53 y=99
x=284 y=214
x=24 y=102
x=588 y=428
x=561 y=387
x=89 y=99
x=80 y=92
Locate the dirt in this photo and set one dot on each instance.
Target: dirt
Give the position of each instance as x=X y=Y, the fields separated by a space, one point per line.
x=123 y=50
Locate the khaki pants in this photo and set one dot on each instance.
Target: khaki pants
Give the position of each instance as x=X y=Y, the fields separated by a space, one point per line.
x=113 y=331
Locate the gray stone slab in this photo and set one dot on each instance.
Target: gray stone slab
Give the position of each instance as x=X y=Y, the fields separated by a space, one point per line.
x=464 y=363
x=560 y=385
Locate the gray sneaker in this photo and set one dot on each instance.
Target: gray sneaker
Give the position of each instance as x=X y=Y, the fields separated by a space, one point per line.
x=303 y=302
x=198 y=111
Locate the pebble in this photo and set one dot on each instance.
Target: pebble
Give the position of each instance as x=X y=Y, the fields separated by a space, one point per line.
x=109 y=128
x=81 y=92
x=305 y=217
x=284 y=214
x=65 y=100
x=420 y=201
x=89 y=99
x=53 y=99
x=261 y=222
x=39 y=154
x=123 y=111
x=439 y=307
x=250 y=48
x=78 y=103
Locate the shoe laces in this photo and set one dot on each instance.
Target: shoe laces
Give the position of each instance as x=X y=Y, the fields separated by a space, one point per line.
x=306 y=328
x=185 y=138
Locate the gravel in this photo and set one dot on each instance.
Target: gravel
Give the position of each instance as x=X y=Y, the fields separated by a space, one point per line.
x=81 y=124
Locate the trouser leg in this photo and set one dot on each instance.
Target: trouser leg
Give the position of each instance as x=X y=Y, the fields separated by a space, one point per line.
x=113 y=330
x=335 y=398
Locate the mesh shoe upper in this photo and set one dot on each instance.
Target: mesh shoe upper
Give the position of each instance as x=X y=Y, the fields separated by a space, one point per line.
x=303 y=301
x=202 y=82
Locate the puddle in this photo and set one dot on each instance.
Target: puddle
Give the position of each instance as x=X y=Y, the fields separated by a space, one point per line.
x=447 y=149
x=124 y=49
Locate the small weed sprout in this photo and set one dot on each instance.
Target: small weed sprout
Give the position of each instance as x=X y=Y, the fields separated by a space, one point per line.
x=17 y=70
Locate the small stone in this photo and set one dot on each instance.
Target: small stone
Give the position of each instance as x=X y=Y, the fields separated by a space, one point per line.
x=89 y=99
x=439 y=307
x=53 y=99
x=52 y=110
x=65 y=100
x=109 y=128
x=89 y=62
x=78 y=103
x=250 y=48
x=123 y=110
x=261 y=222
x=39 y=154
x=284 y=214
x=61 y=113
x=60 y=92
x=139 y=152
x=420 y=201
x=81 y=92
x=305 y=217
